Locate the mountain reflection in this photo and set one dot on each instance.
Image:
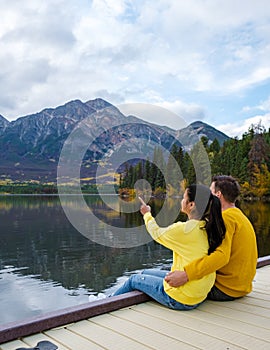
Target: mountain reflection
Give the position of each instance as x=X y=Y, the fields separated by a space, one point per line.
x=36 y=234
x=43 y=253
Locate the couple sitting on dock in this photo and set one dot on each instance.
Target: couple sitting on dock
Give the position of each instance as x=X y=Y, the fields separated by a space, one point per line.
x=214 y=251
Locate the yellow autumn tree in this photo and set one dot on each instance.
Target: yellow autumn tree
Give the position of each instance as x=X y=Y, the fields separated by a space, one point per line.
x=261 y=184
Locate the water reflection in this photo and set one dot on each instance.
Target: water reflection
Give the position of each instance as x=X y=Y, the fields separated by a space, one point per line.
x=53 y=266
x=25 y=296
x=259 y=213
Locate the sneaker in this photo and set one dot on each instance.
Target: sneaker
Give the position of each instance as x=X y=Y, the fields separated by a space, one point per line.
x=92 y=298
x=101 y=296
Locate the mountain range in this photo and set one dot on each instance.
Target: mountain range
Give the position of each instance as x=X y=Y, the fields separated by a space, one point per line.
x=30 y=146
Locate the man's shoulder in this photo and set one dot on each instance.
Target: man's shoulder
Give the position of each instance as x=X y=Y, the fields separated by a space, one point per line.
x=236 y=216
x=233 y=214
x=232 y=211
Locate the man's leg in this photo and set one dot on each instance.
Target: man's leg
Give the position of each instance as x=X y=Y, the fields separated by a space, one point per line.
x=218 y=295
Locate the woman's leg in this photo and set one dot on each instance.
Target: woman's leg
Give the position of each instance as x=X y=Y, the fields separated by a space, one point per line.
x=155 y=272
x=129 y=285
x=134 y=281
x=152 y=286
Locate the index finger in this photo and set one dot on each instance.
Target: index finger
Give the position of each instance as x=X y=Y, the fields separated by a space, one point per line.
x=142 y=201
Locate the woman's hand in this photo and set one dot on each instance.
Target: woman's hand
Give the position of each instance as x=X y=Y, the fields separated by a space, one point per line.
x=176 y=278
x=144 y=207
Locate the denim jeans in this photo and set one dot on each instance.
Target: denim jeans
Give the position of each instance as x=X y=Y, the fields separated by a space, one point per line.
x=150 y=282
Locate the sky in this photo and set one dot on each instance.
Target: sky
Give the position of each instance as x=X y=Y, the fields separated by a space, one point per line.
x=205 y=60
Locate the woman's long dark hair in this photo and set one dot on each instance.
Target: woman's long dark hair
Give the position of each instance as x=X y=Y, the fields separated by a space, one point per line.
x=208 y=208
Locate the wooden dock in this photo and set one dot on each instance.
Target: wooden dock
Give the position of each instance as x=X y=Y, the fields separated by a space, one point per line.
x=143 y=324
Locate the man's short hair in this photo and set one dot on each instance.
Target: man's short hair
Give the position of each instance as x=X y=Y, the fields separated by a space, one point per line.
x=228 y=186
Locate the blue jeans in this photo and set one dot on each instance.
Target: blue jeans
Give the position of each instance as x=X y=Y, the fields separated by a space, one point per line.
x=150 y=282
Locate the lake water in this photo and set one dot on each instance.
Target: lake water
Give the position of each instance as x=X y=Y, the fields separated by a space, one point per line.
x=47 y=264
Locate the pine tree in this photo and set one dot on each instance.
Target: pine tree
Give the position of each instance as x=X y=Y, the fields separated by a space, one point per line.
x=174 y=174
x=214 y=156
x=201 y=164
x=259 y=153
x=247 y=159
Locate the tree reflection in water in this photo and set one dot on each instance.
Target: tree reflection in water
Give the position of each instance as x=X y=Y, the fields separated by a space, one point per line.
x=44 y=254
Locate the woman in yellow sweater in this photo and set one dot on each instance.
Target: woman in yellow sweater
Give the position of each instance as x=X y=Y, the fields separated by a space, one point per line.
x=195 y=238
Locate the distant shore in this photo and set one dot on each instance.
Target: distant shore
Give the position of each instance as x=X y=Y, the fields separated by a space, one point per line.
x=92 y=189
x=40 y=189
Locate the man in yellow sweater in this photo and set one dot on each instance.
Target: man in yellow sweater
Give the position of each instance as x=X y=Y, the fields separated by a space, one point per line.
x=235 y=259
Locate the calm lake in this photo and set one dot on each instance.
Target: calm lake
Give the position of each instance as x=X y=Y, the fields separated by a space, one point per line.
x=47 y=264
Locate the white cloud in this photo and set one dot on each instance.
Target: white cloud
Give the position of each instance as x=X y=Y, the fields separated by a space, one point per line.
x=156 y=114
x=259 y=75
x=149 y=51
x=262 y=106
x=240 y=127
x=189 y=112
x=265 y=105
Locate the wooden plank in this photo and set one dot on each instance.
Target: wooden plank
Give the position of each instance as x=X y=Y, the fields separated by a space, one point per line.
x=250 y=300
x=176 y=330
x=140 y=333
x=225 y=311
x=251 y=310
x=262 y=286
x=263 y=272
x=262 y=276
x=32 y=341
x=259 y=295
x=205 y=325
x=105 y=337
x=14 y=344
x=72 y=340
x=233 y=323
x=221 y=321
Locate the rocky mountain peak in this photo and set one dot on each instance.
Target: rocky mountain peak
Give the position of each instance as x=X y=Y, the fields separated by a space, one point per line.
x=3 y=124
x=30 y=146
x=191 y=134
x=98 y=103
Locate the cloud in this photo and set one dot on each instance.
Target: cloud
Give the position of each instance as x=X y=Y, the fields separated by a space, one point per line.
x=190 y=112
x=262 y=106
x=242 y=126
x=131 y=51
x=257 y=76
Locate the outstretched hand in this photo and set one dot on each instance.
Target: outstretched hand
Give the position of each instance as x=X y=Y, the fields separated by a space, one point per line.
x=144 y=207
x=176 y=278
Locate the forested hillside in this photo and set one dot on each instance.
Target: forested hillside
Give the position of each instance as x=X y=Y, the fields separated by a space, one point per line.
x=247 y=159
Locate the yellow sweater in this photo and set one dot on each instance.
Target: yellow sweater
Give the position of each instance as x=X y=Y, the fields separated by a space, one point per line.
x=188 y=241
x=234 y=260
